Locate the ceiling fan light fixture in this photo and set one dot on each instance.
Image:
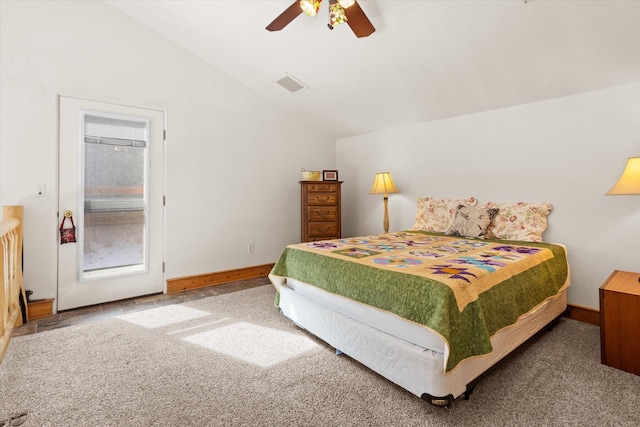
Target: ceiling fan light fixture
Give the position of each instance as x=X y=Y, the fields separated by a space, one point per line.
x=310 y=7
x=354 y=16
x=346 y=3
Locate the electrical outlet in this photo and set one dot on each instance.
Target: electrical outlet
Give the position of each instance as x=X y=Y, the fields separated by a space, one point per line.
x=251 y=248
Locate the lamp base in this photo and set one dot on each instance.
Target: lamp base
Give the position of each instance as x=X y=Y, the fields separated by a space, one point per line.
x=386 y=214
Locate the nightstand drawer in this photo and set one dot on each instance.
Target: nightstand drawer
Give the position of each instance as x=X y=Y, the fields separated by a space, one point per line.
x=322 y=229
x=322 y=213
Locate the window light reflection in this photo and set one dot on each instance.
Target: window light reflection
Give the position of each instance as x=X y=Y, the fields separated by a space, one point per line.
x=163 y=316
x=258 y=345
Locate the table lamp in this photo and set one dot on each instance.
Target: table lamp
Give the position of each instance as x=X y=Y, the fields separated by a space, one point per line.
x=383 y=184
x=629 y=181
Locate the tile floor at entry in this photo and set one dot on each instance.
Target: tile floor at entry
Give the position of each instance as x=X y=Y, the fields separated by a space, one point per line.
x=116 y=308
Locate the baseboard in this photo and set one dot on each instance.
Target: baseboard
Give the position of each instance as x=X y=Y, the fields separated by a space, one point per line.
x=40 y=308
x=583 y=314
x=180 y=284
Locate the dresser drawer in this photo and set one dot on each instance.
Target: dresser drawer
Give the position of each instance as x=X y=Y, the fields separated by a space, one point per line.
x=322 y=187
x=322 y=213
x=322 y=229
x=322 y=199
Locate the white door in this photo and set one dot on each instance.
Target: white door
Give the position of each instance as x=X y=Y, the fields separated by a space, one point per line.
x=111 y=184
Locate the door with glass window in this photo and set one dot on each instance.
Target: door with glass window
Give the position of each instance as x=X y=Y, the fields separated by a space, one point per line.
x=111 y=191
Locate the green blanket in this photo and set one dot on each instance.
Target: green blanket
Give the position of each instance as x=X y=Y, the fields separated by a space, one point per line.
x=463 y=289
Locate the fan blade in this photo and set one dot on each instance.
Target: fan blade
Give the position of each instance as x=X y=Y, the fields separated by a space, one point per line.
x=285 y=17
x=358 y=21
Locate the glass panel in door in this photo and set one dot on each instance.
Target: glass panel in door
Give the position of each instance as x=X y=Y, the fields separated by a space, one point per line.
x=115 y=196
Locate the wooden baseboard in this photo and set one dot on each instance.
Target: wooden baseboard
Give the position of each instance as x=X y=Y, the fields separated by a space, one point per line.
x=180 y=284
x=39 y=309
x=583 y=314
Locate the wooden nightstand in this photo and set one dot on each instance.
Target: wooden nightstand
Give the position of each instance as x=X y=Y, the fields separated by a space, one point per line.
x=620 y=321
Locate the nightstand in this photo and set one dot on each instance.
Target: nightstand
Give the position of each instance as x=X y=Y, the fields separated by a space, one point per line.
x=620 y=321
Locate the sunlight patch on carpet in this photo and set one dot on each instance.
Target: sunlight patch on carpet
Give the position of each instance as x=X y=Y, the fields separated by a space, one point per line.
x=163 y=316
x=264 y=347
x=199 y=326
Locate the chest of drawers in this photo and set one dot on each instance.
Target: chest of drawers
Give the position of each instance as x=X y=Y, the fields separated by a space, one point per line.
x=320 y=202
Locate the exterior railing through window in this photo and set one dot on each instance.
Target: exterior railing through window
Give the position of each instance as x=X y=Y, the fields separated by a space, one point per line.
x=12 y=288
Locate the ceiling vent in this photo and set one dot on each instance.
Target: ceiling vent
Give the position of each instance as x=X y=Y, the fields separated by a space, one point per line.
x=292 y=84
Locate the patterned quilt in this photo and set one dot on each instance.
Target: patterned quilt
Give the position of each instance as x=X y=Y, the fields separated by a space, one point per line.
x=463 y=289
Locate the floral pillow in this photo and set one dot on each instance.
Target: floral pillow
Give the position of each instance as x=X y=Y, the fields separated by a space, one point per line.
x=471 y=222
x=519 y=221
x=436 y=214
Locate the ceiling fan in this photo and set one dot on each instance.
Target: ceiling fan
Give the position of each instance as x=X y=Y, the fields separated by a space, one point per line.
x=340 y=11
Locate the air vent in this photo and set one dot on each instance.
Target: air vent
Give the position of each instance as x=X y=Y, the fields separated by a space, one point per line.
x=292 y=84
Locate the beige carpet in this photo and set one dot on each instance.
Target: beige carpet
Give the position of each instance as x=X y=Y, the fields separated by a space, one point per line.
x=232 y=360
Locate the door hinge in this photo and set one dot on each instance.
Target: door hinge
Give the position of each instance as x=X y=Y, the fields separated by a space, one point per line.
x=163 y=266
x=164 y=200
x=164 y=134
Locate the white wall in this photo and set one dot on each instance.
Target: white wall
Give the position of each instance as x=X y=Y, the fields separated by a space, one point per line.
x=232 y=159
x=568 y=151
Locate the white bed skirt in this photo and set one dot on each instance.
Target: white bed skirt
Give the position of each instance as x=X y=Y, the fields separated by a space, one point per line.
x=416 y=368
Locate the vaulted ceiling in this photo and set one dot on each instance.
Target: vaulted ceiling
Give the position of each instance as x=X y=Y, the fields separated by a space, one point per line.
x=427 y=59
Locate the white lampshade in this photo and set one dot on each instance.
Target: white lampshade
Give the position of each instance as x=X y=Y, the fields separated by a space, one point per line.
x=629 y=182
x=383 y=184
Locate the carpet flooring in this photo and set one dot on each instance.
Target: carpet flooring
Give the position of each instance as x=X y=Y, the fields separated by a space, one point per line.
x=233 y=360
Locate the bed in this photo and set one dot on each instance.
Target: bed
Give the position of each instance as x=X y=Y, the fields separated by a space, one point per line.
x=430 y=309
